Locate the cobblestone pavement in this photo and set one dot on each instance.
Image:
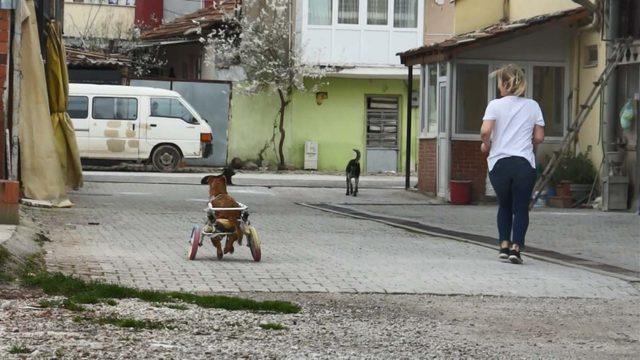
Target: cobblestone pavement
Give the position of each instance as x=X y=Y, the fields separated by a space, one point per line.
x=136 y=234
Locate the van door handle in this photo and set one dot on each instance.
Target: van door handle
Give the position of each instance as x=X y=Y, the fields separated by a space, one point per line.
x=153 y=125
x=133 y=127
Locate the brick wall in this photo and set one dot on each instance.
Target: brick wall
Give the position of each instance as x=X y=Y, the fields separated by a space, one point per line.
x=427 y=166
x=4 y=43
x=468 y=163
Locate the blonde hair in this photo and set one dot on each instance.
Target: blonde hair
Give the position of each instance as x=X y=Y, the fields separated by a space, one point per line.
x=512 y=78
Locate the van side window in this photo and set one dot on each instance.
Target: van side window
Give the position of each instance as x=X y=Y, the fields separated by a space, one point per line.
x=115 y=108
x=171 y=108
x=78 y=107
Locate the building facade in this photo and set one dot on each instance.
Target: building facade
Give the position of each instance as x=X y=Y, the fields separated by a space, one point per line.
x=560 y=46
x=362 y=103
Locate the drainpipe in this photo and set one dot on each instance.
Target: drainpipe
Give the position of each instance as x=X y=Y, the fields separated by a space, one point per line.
x=506 y=10
x=17 y=77
x=407 y=154
x=611 y=86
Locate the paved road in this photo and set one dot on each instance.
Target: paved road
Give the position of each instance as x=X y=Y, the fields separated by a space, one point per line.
x=135 y=234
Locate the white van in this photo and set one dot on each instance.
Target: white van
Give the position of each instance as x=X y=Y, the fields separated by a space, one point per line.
x=137 y=124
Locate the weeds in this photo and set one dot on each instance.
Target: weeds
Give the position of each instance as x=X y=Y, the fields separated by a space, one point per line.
x=273 y=326
x=93 y=292
x=171 y=306
x=128 y=323
x=19 y=349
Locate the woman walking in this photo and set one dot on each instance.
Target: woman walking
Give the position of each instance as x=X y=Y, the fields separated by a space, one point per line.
x=512 y=127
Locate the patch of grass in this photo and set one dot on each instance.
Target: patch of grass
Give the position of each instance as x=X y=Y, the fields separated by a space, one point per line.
x=129 y=323
x=93 y=292
x=172 y=306
x=66 y=304
x=19 y=349
x=273 y=326
x=4 y=256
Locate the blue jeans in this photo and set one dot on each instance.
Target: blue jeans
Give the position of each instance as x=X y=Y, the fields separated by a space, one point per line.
x=513 y=179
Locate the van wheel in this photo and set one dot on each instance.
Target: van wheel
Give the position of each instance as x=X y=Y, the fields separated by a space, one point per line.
x=166 y=158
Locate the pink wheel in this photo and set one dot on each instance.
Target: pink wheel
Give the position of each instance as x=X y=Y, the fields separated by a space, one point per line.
x=254 y=243
x=194 y=242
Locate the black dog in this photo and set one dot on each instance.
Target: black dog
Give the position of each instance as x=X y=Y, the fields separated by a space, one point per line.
x=353 y=172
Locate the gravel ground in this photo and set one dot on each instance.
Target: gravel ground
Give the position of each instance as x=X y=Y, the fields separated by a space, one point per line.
x=336 y=326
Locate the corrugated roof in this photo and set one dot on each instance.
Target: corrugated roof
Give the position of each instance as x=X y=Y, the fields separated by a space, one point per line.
x=89 y=59
x=194 y=24
x=440 y=51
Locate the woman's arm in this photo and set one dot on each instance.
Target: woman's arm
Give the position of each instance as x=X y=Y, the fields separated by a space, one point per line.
x=538 y=135
x=485 y=135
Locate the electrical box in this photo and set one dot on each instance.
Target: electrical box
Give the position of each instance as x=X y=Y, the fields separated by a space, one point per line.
x=7 y=4
x=310 y=155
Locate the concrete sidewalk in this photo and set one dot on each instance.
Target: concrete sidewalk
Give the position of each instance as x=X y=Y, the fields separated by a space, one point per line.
x=250 y=179
x=611 y=238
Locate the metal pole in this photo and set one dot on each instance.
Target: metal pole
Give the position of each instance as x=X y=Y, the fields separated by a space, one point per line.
x=17 y=77
x=407 y=155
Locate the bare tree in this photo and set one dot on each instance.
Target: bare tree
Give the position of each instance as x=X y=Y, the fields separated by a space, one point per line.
x=260 y=40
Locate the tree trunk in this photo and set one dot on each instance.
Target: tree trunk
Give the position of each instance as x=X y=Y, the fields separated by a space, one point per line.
x=283 y=105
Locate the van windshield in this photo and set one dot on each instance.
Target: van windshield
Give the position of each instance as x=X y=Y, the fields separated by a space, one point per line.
x=171 y=108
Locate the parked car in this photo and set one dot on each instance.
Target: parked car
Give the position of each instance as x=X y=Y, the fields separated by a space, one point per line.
x=141 y=124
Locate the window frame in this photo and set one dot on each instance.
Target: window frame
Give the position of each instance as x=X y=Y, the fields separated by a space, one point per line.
x=93 y=99
x=377 y=26
x=393 y=13
x=528 y=68
x=88 y=106
x=196 y=122
x=336 y=17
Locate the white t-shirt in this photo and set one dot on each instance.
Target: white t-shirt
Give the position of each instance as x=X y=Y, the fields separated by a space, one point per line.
x=515 y=118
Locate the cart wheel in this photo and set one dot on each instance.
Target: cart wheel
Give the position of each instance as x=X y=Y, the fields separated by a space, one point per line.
x=194 y=242
x=254 y=243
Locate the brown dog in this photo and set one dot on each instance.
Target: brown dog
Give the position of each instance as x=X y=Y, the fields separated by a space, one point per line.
x=226 y=220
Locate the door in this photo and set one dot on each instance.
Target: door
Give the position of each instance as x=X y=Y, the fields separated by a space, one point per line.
x=170 y=121
x=444 y=142
x=382 y=133
x=78 y=110
x=114 y=128
x=211 y=101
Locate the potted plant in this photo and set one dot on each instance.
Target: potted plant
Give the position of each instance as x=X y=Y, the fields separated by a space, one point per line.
x=574 y=177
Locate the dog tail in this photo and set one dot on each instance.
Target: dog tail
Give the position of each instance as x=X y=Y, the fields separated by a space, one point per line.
x=357 y=154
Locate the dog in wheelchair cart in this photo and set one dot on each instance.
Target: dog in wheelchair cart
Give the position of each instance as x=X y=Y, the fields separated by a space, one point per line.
x=226 y=221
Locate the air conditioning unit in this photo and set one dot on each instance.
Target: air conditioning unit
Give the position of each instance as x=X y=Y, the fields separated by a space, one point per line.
x=310 y=155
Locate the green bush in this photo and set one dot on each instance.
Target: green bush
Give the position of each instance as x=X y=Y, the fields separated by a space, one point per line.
x=576 y=169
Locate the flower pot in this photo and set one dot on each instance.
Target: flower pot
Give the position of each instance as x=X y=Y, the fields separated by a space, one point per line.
x=580 y=192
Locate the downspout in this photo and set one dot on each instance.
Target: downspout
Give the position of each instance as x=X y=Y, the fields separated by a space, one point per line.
x=17 y=77
x=506 y=10
x=595 y=10
x=408 y=140
x=7 y=106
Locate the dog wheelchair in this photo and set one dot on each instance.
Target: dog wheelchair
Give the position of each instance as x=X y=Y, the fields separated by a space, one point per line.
x=222 y=229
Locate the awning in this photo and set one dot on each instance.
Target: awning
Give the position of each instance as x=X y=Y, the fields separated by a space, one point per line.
x=489 y=35
x=195 y=24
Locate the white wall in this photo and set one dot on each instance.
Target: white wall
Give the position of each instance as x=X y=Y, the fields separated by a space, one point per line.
x=361 y=44
x=98 y=20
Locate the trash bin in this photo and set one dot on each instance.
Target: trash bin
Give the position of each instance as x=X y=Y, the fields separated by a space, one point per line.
x=460 y=191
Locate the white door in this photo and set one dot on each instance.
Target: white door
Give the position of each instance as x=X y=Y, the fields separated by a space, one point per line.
x=444 y=130
x=170 y=121
x=78 y=110
x=114 y=128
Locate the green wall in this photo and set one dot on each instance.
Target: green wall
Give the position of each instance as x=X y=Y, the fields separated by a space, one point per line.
x=338 y=124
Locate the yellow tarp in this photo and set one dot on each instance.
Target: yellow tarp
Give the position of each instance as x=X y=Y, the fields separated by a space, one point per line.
x=41 y=170
x=58 y=86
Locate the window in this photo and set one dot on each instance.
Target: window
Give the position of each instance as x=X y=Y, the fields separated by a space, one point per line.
x=377 y=12
x=78 y=107
x=320 y=12
x=472 y=81
x=382 y=122
x=591 y=56
x=348 y=11
x=405 y=13
x=112 y=108
x=432 y=109
x=170 y=108
x=548 y=91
